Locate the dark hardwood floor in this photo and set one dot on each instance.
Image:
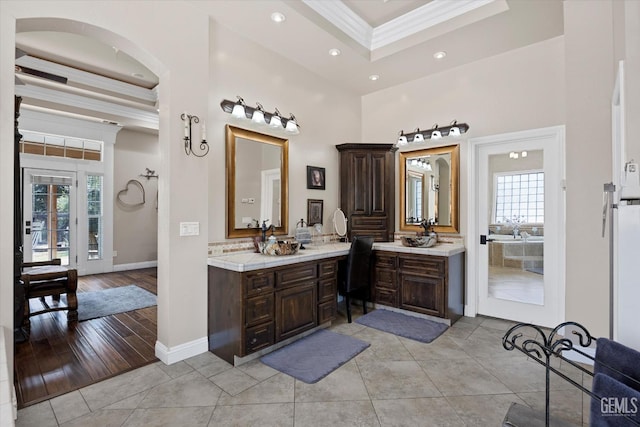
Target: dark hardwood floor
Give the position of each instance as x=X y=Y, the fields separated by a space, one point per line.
x=59 y=358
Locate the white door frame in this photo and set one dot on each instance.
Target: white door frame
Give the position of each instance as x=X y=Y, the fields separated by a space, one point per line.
x=269 y=177
x=556 y=135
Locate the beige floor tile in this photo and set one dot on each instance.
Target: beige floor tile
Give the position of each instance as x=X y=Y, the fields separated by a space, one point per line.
x=233 y=381
x=188 y=390
x=117 y=388
x=101 y=418
x=208 y=364
x=347 y=328
x=462 y=377
x=277 y=389
x=345 y=383
x=175 y=370
x=384 y=346
x=131 y=402
x=69 y=406
x=264 y=415
x=192 y=417
x=442 y=348
x=565 y=404
x=484 y=410
x=335 y=414
x=396 y=379
x=38 y=415
x=258 y=370
x=433 y=411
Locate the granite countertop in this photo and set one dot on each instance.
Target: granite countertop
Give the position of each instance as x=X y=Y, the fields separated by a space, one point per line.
x=249 y=261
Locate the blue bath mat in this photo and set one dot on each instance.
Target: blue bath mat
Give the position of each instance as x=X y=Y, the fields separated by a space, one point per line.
x=314 y=357
x=415 y=328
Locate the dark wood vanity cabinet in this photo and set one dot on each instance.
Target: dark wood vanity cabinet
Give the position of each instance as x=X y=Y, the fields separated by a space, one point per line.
x=426 y=284
x=367 y=189
x=249 y=311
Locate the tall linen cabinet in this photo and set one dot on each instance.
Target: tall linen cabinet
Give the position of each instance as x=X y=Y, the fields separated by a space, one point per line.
x=367 y=189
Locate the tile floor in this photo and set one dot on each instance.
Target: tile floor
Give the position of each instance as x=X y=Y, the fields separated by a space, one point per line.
x=514 y=284
x=464 y=378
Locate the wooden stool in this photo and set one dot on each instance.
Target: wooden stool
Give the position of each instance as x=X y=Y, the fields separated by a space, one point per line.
x=49 y=278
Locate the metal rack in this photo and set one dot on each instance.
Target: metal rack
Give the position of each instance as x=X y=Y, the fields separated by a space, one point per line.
x=543 y=349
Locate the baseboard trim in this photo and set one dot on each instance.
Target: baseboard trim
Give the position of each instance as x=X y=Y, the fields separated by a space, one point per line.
x=182 y=351
x=135 y=265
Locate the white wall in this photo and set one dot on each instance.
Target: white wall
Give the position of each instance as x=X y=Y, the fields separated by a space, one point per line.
x=135 y=230
x=521 y=89
x=328 y=116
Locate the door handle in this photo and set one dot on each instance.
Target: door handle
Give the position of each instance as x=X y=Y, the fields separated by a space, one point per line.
x=483 y=239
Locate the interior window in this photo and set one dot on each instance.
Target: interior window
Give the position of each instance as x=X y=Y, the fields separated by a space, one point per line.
x=519 y=198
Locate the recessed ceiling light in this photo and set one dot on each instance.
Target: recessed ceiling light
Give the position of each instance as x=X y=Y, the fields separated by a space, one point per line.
x=334 y=52
x=440 y=55
x=277 y=17
x=374 y=77
x=138 y=75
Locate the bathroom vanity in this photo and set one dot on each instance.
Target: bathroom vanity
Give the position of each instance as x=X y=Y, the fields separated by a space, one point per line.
x=423 y=280
x=258 y=303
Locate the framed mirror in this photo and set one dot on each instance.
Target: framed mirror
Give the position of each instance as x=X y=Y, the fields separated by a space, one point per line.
x=429 y=188
x=257 y=168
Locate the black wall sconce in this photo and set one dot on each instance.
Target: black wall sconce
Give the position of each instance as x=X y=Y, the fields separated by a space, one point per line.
x=188 y=119
x=257 y=115
x=436 y=132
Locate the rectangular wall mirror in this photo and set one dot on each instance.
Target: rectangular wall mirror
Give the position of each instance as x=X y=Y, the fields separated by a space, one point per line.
x=257 y=168
x=429 y=189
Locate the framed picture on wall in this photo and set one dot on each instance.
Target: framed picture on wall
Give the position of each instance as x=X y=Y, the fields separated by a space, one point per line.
x=314 y=211
x=315 y=177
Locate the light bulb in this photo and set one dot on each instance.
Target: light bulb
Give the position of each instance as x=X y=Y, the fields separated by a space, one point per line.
x=454 y=131
x=435 y=133
x=418 y=137
x=292 y=125
x=238 y=111
x=524 y=154
x=258 y=115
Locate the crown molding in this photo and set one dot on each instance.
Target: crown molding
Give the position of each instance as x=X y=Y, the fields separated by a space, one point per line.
x=96 y=106
x=419 y=19
x=85 y=78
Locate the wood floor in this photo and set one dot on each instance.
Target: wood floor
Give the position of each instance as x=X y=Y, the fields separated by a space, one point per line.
x=59 y=358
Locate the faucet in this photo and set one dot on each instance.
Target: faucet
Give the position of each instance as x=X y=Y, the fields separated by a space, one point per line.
x=264 y=229
x=426 y=224
x=516 y=230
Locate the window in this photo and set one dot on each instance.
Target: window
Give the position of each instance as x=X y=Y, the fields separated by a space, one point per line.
x=519 y=197
x=94 y=216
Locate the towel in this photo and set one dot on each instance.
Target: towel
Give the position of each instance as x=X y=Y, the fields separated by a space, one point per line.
x=619 y=357
x=618 y=403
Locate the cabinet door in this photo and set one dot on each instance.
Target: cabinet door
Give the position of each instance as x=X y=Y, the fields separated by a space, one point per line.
x=296 y=310
x=422 y=294
x=378 y=202
x=359 y=185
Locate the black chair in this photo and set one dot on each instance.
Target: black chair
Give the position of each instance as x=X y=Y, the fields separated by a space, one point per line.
x=354 y=275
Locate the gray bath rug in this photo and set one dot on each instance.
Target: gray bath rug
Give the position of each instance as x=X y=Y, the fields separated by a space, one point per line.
x=315 y=356
x=415 y=328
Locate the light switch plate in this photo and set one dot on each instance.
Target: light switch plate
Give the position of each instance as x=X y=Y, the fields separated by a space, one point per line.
x=189 y=228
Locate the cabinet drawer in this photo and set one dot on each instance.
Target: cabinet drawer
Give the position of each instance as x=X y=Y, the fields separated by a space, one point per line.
x=292 y=275
x=258 y=282
x=258 y=337
x=386 y=278
x=326 y=311
x=387 y=297
x=258 y=309
x=432 y=266
x=369 y=222
x=378 y=235
x=326 y=290
x=384 y=260
x=328 y=268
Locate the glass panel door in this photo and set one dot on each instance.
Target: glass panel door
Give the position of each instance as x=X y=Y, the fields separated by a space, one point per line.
x=49 y=215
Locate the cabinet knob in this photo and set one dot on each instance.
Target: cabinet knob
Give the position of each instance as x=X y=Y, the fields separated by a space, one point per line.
x=254 y=340
x=259 y=289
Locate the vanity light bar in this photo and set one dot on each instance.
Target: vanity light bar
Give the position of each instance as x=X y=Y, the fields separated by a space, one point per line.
x=259 y=116
x=454 y=129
